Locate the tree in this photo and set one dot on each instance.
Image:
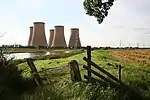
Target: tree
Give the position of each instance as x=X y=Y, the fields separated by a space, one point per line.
x=98 y=8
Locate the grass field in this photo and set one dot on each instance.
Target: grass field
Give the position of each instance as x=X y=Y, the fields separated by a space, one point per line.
x=134 y=72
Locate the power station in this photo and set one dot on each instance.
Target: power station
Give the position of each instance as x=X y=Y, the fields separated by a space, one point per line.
x=38 y=35
x=51 y=37
x=74 y=38
x=30 y=36
x=59 y=38
x=56 y=38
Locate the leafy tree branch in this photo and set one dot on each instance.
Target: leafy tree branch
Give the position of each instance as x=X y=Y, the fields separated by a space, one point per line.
x=98 y=8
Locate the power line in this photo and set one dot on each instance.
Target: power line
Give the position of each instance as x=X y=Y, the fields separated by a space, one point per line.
x=120 y=43
x=137 y=45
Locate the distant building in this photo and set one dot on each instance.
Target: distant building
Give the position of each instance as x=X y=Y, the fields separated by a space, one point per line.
x=74 y=38
x=51 y=37
x=56 y=39
x=59 y=38
x=30 y=36
x=38 y=35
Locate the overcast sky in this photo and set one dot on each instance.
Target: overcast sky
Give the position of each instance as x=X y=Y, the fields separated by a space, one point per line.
x=128 y=21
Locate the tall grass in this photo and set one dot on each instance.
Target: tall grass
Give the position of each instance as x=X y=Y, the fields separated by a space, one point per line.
x=12 y=83
x=66 y=90
x=133 y=74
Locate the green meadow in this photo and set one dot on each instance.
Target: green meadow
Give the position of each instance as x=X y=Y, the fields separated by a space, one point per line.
x=58 y=85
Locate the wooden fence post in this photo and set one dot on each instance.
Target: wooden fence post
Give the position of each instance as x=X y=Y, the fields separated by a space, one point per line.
x=89 y=57
x=74 y=71
x=120 y=95
x=119 y=72
x=36 y=76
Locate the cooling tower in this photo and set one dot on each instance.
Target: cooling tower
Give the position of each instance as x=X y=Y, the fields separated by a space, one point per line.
x=38 y=37
x=30 y=36
x=59 y=38
x=74 y=38
x=51 y=37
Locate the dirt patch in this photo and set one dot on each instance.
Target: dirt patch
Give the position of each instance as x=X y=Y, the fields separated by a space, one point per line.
x=140 y=56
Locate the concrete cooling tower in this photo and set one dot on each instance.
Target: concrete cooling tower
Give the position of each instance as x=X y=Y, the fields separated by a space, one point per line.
x=51 y=37
x=30 y=36
x=38 y=37
x=74 y=38
x=59 y=38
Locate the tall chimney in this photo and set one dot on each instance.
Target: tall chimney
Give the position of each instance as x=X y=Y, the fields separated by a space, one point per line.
x=30 y=36
x=74 y=38
x=51 y=37
x=39 y=38
x=59 y=38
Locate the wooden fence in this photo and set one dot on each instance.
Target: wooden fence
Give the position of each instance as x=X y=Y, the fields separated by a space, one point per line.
x=34 y=73
x=76 y=76
x=111 y=80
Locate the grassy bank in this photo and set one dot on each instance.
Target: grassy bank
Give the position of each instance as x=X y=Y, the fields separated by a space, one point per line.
x=45 y=62
x=60 y=54
x=32 y=50
x=60 y=87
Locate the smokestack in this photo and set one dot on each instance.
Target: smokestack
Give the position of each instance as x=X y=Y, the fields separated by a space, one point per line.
x=59 y=38
x=30 y=36
x=51 y=37
x=39 y=38
x=74 y=38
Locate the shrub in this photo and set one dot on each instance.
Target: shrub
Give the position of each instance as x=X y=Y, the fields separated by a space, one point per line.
x=11 y=81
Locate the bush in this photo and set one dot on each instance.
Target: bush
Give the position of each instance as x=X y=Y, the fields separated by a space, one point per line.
x=11 y=81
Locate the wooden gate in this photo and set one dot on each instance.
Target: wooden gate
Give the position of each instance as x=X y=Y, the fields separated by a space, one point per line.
x=111 y=80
